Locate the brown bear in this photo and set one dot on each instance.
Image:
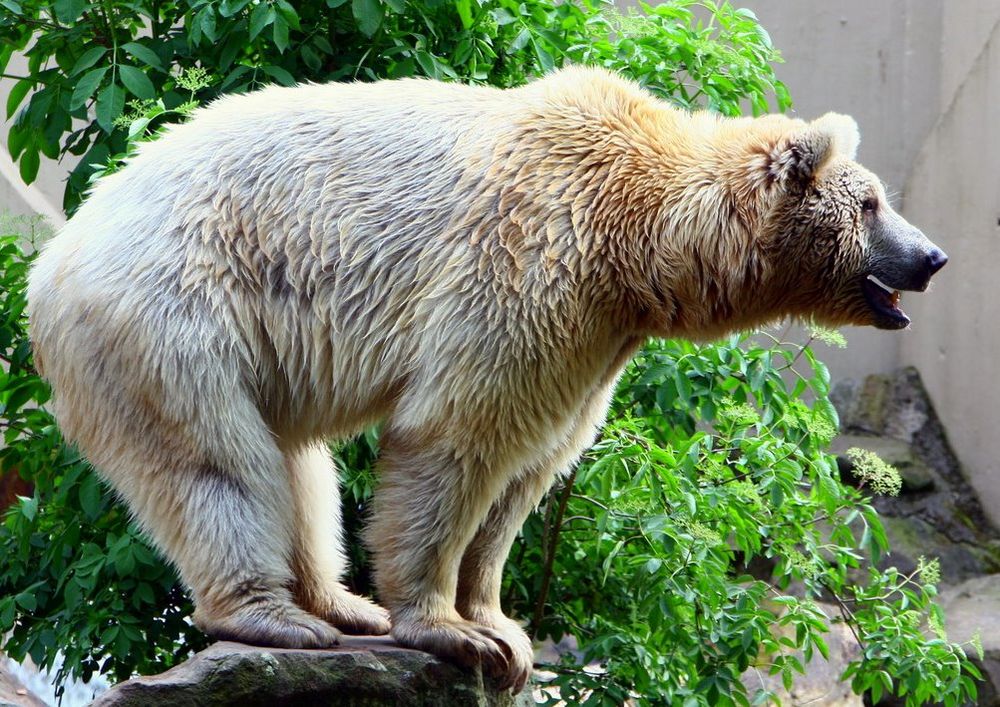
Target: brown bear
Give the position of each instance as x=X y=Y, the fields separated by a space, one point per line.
x=469 y=266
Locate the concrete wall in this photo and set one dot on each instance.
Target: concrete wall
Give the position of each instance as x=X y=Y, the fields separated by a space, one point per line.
x=879 y=62
x=922 y=77
x=953 y=189
x=44 y=195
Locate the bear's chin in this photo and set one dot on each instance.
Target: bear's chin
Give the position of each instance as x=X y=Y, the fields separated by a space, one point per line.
x=891 y=325
x=883 y=305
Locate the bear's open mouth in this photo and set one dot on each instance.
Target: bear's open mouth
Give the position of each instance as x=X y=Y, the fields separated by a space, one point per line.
x=884 y=301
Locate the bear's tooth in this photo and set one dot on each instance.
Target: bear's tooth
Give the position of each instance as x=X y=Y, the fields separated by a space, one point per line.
x=881 y=284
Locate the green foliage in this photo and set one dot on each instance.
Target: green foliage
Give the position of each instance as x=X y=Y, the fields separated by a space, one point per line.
x=672 y=553
x=693 y=542
x=88 y=60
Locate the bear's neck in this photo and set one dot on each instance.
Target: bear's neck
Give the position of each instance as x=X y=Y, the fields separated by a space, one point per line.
x=686 y=247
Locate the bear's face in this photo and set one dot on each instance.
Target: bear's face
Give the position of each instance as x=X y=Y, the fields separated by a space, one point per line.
x=847 y=253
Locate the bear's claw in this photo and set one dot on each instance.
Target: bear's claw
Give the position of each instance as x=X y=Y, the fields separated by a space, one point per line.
x=521 y=653
x=466 y=643
x=269 y=623
x=354 y=615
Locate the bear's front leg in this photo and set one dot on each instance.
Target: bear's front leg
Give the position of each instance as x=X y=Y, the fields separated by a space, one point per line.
x=481 y=572
x=429 y=503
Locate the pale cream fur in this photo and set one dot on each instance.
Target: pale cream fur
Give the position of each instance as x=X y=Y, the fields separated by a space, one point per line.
x=472 y=267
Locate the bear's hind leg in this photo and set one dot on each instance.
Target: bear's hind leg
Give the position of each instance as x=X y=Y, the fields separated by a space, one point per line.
x=221 y=511
x=237 y=546
x=319 y=560
x=480 y=575
x=240 y=572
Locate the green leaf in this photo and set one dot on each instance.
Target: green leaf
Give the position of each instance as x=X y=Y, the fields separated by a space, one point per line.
x=280 y=34
x=206 y=22
x=68 y=10
x=261 y=17
x=26 y=601
x=87 y=59
x=86 y=86
x=90 y=496
x=368 y=14
x=234 y=76
x=310 y=58
x=17 y=94
x=144 y=54
x=520 y=41
x=464 y=8
x=110 y=104
x=110 y=634
x=288 y=13
x=28 y=165
x=136 y=82
x=8 y=614
x=228 y=8
x=144 y=592
x=124 y=563
x=545 y=59
x=17 y=140
x=281 y=75
x=503 y=16
x=29 y=507
x=427 y=64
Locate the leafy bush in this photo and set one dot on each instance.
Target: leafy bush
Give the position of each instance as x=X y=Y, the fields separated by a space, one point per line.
x=711 y=463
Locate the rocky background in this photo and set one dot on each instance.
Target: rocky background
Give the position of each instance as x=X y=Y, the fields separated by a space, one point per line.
x=937 y=514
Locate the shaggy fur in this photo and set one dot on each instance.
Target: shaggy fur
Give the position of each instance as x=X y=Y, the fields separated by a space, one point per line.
x=472 y=267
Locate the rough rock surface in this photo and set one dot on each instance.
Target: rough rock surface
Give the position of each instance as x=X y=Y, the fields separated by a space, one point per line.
x=13 y=693
x=366 y=672
x=821 y=683
x=974 y=607
x=937 y=514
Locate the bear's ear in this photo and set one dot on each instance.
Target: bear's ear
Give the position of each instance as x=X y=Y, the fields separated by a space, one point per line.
x=802 y=155
x=844 y=131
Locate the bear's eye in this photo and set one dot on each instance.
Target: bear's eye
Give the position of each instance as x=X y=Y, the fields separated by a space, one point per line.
x=869 y=205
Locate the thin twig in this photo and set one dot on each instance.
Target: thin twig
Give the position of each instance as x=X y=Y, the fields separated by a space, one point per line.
x=550 y=552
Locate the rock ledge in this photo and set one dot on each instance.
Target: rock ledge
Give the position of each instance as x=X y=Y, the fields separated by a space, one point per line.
x=368 y=672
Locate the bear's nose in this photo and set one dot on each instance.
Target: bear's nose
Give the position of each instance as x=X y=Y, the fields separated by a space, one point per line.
x=936 y=260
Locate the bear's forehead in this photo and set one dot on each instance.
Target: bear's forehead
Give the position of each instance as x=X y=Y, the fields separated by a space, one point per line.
x=850 y=181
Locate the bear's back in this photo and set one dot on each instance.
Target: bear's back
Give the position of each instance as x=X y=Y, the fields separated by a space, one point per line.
x=306 y=228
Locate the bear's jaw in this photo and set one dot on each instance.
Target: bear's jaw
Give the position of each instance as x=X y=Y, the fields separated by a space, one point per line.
x=884 y=303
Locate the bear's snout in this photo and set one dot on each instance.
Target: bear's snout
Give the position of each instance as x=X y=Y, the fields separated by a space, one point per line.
x=923 y=266
x=936 y=259
x=901 y=259
x=901 y=256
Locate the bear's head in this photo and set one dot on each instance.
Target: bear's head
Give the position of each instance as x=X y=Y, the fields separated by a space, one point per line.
x=843 y=255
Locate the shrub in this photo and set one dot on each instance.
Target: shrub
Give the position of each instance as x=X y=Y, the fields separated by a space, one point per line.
x=712 y=463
